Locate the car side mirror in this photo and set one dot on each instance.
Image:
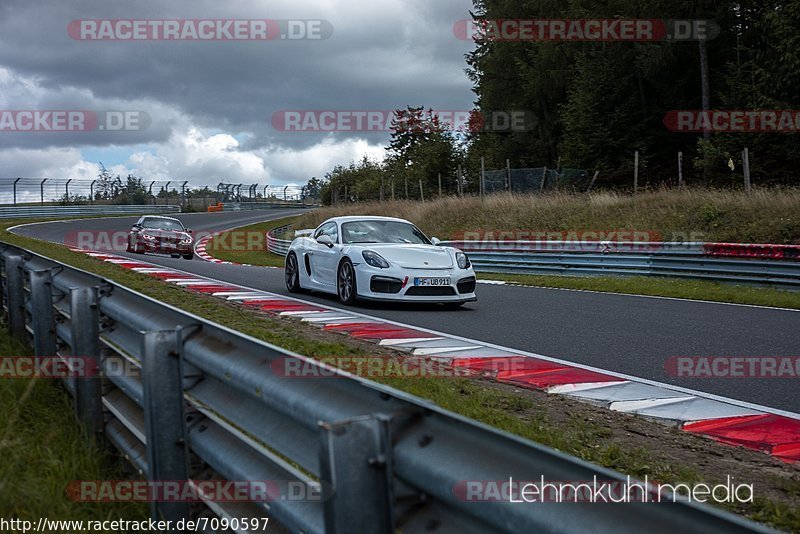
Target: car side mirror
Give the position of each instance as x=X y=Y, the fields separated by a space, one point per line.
x=189 y=231
x=325 y=240
x=136 y=227
x=435 y=241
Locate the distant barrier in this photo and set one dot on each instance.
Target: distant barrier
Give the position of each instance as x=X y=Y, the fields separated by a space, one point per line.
x=24 y=212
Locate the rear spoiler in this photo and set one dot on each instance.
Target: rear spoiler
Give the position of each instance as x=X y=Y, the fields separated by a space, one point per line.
x=303 y=233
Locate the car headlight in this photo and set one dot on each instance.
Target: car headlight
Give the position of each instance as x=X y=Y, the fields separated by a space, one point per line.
x=148 y=236
x=375 y=259
x=186 y=240
x=462 y=260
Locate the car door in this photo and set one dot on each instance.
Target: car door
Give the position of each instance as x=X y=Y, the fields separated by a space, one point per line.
x=323 y=259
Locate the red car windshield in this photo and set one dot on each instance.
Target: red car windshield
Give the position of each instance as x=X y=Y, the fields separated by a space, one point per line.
x=155 y=223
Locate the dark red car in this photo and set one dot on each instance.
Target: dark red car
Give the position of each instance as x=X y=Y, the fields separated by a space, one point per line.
x=161 y=235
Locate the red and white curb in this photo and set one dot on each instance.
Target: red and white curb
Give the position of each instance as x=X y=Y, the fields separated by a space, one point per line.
x=772 y=431
x=200 y=251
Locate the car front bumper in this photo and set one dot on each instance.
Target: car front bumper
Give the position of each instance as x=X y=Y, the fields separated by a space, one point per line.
x=398 y=285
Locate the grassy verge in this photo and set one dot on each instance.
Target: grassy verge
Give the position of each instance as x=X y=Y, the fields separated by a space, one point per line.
x=222 y=246
x=765 y=216
x=43 y=449
x=590 y=433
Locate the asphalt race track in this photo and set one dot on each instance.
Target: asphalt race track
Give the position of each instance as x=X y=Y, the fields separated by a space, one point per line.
x=621 y=333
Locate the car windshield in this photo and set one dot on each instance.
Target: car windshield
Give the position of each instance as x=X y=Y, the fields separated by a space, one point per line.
x=156 y=223
x=382 y=232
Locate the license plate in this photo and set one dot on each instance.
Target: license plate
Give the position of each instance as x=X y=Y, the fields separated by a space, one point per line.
x=431 y=281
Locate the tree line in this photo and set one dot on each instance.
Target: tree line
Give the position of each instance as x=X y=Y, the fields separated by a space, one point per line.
x=592 y=105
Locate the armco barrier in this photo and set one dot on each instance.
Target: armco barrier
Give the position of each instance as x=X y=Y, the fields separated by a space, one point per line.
x=207 y=402
x=774 y=265
x=21 y=212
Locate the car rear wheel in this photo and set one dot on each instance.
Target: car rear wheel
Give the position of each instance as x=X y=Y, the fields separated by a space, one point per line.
x=292 y=273
x=188 y=256
x=346 y=283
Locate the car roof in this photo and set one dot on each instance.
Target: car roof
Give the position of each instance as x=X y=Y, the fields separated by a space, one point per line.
x=160 y=217
x=355 y=218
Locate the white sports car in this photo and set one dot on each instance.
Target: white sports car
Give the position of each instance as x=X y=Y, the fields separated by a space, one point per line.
x=378 y=258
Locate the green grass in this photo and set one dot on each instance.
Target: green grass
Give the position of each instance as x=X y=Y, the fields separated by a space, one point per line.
x=43 y=449
x=662 y=287
x=505 y=409
x=221 y=247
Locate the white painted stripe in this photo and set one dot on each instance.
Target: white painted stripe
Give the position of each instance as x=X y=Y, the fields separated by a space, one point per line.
x=639 y=405
x=438 y=350
x=404 y=341
x=567 y=389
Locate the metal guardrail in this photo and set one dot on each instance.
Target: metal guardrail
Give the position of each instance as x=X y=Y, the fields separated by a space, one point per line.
x=245 y=206
x=20 y=212
x=594 y=258
x=206 y=403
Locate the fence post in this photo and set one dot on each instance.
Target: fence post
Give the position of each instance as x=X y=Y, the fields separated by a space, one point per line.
x=440 y=185
x=483 y=177
x=356 y=467
x=421 y=193
x=746 y=164
x=594 y=179
x=636 y=173
x=543 y=185
x=680 y=169
x=165 y=426
x=42 y=318
x=508 y=175
x=15 y=295
x=382 y=185
x=85 y=331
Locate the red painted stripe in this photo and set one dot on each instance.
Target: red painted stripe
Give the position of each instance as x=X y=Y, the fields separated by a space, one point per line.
x=775 y=434
x=737 y=250
x=532 y=372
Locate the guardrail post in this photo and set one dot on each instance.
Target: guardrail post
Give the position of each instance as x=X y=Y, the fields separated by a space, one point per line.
x=356 y=463
x=42 y=317
x=165 y=426
x=15 y=295
x=85 y=330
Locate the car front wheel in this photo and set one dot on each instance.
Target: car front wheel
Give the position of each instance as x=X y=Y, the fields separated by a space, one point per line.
x=346 y=283
x=292 y=273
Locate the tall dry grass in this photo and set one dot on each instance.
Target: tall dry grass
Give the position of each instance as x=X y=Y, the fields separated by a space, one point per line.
x=764 y=216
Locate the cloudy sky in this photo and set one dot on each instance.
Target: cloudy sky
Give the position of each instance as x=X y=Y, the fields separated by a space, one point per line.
x=210 y=103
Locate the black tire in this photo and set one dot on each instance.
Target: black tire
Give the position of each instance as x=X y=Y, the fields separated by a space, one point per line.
x=292 y=272
x=346 y=286
x=188 y=256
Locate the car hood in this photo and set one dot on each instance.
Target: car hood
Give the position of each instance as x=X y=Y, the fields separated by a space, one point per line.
x=414 y=256
x=168 y=234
